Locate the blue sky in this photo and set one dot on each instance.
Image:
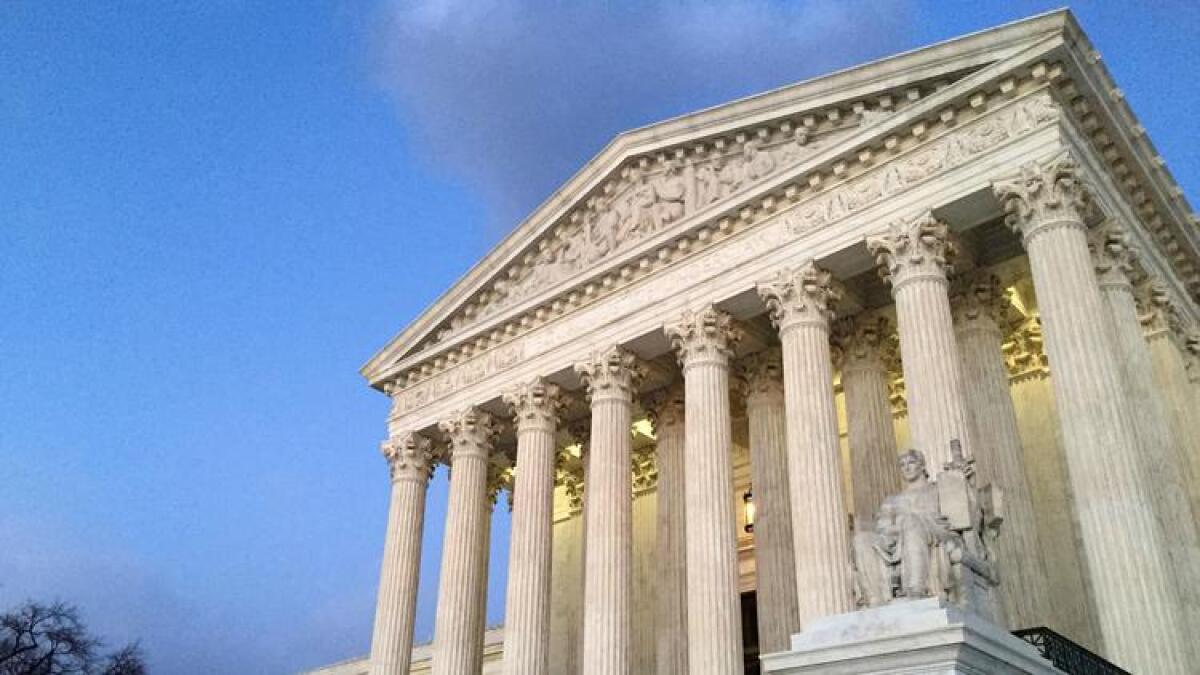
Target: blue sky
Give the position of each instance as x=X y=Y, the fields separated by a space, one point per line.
x=211 y=214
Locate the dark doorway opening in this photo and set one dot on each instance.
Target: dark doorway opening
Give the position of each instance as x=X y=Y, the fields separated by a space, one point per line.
x=750 y=632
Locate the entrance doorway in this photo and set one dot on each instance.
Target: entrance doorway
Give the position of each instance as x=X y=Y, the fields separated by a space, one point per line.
x=750 y=632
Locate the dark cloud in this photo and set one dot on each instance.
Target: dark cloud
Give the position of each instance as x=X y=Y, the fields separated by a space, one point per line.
x=515 y=96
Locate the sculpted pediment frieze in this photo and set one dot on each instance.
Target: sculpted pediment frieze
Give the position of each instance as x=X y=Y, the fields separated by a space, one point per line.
x=650 y=194
x=647 y=199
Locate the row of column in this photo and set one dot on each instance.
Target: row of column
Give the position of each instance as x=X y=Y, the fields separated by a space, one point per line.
x=1123 y=450
x=1089 y=334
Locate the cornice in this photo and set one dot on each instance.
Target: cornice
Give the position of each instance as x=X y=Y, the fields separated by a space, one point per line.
x=1099 y=108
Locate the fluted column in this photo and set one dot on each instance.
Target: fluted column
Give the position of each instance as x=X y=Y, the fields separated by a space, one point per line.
x=410 y=461
x=666 y=411
x=774 y=559
x=704 y=341
x=863 y=343
x=1160 y=450
x=611 y=376
x=912 y=255
x=1166 y=339
x=800 y=302
x=458 y=636
x=1192 y=346
x=980 y=308
x=535 y=405
x=571 y=471
x=1121 y=538
x=496 y=481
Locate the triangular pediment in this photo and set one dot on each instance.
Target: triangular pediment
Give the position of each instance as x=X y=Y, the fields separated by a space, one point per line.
x=650 y=182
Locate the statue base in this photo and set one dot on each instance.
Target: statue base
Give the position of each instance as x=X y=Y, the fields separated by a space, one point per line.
x=920 y=637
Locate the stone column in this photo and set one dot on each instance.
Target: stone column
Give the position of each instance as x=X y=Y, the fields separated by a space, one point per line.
x=864 y=343
x=1122 y=540
x=1165 y=337
x=611 y=376
x=800 y=302
x=774 y=559
x=410 y=460
x=912 y=255
x=571 y=471
x=497 y=480
x=1071 y=597
x=1160 y=450
x=458 y=638
x=536 y=406
x=666 y=412
x=1192 y=345
x=980 y=309
x=704 y=341
x=644 y=645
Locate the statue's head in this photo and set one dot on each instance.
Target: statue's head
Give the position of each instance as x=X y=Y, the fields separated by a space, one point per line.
x=912 y=465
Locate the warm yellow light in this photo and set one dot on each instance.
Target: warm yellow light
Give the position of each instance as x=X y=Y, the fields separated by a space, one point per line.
x=574 y=450
x=644 y=428
x=748 y=509
x=1015 y=298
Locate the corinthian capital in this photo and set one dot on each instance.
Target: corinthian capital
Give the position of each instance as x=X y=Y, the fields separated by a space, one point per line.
x=864 y=341
x=610 y=374
x=471 y=433
x=536 y=404
x=805 y=295
x=1157 y=310
x=1025 y=352
x=1044 y=194
x=705 y=336
x=981 y=302
x=569 y=468
x=645 y=469
x=409 y=456
x=665 y=407
x=499 y=477
x=1113 y=254
x=760 y=375
x=1191 y=345
x=913 y=248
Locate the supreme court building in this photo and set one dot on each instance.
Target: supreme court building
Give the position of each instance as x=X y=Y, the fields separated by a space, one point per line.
x=693 y=368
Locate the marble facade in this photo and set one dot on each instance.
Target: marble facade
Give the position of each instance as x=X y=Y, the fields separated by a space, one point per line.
x=973 y=241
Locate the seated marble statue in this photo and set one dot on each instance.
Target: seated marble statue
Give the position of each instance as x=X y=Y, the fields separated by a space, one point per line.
x=931 y=539
x=898 y=559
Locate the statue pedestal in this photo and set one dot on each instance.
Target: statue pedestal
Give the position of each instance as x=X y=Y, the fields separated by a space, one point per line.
x=922 y=637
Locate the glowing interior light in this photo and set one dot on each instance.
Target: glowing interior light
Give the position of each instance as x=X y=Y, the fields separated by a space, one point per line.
x=748 y=509
x=644 y=428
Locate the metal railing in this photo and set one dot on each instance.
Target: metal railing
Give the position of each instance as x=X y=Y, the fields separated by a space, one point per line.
x=1066 y=655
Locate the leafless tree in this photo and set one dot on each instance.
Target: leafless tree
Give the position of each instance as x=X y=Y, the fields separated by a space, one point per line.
x=37 y=639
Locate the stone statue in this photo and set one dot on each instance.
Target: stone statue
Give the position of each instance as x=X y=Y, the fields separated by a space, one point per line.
x=932 y=539
x=974 y=515
x=896 y=559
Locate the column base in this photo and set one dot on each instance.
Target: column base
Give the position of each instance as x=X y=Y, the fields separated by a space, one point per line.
x=922 y=637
